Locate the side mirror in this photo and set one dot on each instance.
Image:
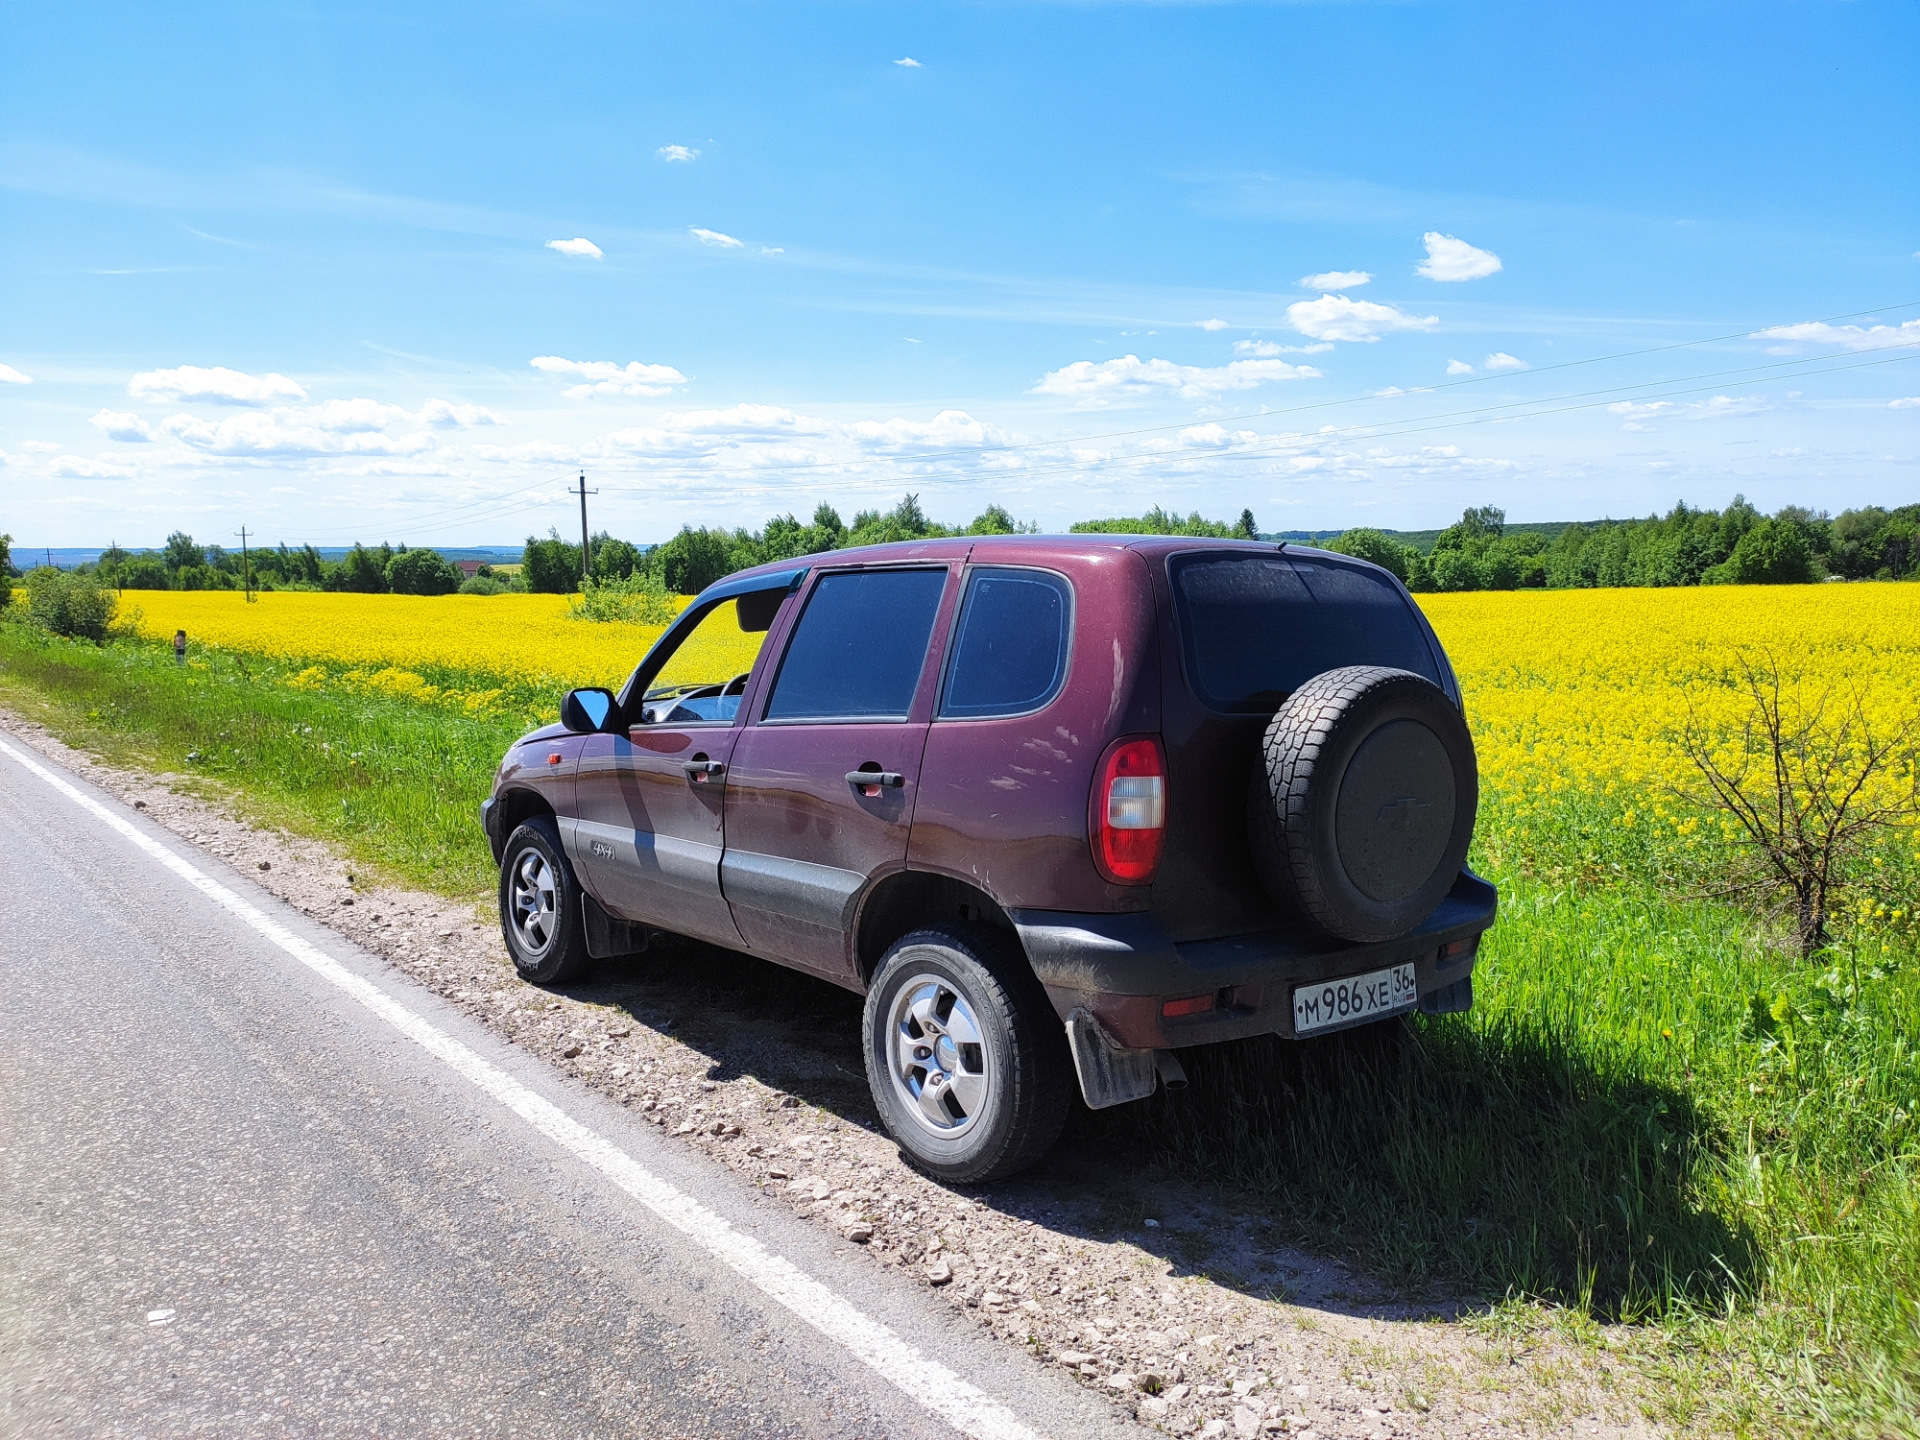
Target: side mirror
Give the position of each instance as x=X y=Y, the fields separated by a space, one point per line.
x=585 y=711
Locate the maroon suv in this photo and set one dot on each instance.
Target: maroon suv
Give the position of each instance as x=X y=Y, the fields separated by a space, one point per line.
x=1058 y=806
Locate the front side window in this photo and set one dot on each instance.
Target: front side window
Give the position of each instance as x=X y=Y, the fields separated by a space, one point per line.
x=1010 y=647
x=704 y=677
x=1255 y=627
x=859 y=647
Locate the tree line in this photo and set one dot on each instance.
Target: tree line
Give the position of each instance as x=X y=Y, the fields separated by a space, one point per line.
x=1734 y=546
x=1686 y=546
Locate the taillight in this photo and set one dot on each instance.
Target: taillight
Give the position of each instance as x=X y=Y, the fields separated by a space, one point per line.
x=1129 y=813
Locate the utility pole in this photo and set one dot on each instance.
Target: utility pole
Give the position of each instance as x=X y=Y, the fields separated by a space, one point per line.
x=246 y=565
x=586 y=562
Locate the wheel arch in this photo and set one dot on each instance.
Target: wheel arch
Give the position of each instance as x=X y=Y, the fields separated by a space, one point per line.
x=514 y=807
x=908 y=900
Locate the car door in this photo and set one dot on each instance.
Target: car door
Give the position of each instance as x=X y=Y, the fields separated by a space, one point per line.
x=852 y=697
x=649 y=799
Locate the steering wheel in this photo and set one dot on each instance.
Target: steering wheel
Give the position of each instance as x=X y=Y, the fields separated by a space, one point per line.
x=737 y=685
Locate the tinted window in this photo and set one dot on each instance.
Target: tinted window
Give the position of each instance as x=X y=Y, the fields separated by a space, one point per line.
x=857 y=651
x=1256 y=626
x=1010 y=648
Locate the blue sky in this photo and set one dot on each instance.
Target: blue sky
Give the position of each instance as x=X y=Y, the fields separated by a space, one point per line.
x=291 y=266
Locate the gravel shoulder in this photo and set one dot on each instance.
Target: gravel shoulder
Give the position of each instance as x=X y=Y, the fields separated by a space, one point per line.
x=1170 y=1299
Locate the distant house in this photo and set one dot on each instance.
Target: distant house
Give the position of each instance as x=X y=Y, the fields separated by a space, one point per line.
x=469 y=568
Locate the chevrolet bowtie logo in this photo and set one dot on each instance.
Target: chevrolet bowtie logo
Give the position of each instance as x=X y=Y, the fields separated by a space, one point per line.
x=1399 y=814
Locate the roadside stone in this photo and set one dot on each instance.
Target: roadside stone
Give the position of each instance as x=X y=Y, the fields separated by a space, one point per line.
x=939 y=1273
x=858 y=1231
x=1213 y=1429
x=775 y=1172
x=264 y=865
x=1246 y=1422
x=571 y=1051
x=686 y=1127
x=1119 y=1380
x=1074 y=1359
x=1154 y=1408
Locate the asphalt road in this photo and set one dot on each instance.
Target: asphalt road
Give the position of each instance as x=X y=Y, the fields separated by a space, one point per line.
x=235 y=1200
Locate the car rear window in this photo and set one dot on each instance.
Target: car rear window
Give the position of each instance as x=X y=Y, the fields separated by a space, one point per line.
x=1010 y=647
x=1254 y=627
x=858 y=649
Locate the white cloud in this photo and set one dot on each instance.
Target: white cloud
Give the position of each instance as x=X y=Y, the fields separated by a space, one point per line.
x=1906 y=402
x=1451 y=259
x=1212 y=324
x=909 y=62
x=218 y=386
x=73 y=467
x=950 y=429
x=339 y=427
x=1267 y=349
x=40 y=447
x=1459 y=367
x=446 y=415
x=1128 y=377
x=677 y=154
x=1500 y=360
x=122 y=425
x=1847 y=337
x=1336 y=280
x=773 y=249
x=1335 y=317
x=1640 y=416
x=11 y=376
x=578 y=246
x=714 y=237
x=604 y=377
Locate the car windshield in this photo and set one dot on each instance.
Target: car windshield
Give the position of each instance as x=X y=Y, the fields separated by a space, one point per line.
x=1254 y=627
x=704 y=677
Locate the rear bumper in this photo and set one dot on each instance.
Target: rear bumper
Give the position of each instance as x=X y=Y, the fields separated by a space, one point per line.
x=1122 y=968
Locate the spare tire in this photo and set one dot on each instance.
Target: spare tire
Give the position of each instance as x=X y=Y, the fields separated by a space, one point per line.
x=1362 y=806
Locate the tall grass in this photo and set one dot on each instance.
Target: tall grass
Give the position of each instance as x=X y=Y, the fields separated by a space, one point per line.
x=1653 y=1113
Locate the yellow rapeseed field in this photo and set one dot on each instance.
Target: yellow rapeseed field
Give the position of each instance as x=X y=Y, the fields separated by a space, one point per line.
x=1569 y=690
x=1584 y=691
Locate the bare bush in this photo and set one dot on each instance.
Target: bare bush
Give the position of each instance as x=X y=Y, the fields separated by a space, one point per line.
x=1811 y=785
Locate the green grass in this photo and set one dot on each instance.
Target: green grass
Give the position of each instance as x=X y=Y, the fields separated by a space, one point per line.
x=1653 y=1113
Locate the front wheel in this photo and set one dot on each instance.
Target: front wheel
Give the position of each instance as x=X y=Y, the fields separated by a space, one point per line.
x=967 y=1061
x=540 y=912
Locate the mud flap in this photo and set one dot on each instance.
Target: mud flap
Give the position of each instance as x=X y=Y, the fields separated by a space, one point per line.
x=608 y=937
x=1109 y=1074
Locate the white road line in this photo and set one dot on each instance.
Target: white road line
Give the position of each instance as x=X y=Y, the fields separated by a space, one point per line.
x=963 y=1405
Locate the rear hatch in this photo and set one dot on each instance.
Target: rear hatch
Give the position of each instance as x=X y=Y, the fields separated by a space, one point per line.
x=1242 y=627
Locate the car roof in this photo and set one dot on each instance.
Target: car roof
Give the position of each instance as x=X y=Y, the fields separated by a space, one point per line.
x=1024 y=549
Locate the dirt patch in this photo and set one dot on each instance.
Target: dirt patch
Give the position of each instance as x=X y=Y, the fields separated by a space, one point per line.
x=1172 y=1300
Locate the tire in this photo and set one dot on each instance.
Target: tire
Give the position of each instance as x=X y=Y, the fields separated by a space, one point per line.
x=540 y=907
x=992 y=1091
x=1362 y=807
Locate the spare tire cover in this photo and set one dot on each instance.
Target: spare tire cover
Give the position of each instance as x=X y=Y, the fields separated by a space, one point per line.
x=1362 y=805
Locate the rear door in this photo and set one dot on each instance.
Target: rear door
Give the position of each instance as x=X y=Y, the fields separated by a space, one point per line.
x=852 y=697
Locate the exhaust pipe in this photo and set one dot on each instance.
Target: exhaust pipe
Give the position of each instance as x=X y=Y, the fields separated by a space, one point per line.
x=1172 y=1077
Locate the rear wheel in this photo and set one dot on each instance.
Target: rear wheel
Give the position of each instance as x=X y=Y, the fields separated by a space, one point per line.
x=540 y=907
x=967 y=1061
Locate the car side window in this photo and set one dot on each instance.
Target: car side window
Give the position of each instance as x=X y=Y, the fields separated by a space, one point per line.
x=703 y=679
x=1010 y=647
x=859 y=647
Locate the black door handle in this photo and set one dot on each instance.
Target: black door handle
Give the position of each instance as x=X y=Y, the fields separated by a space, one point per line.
x=876 y=780
x=700 y=771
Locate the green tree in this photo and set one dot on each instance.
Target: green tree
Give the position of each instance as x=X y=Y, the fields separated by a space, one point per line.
x=1364 y=543
x=142 y=572
x=69 y=604
x=1773 y=552
x=994 y=520
x=361 y=571
x=1454 y=570
x=422 y=572
x=1247 y=529
x=693 y=560
x=550 y=566
x=614 y=559
x=181 y=552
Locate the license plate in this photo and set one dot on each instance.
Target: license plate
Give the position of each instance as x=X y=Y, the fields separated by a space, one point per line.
x=1348 y=1001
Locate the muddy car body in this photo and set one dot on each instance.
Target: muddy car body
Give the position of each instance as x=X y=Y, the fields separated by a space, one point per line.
x=1040 y=774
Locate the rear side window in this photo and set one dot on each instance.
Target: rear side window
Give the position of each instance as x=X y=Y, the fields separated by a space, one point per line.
x=1010 y=647
x=1254 y=627
x=858 y=649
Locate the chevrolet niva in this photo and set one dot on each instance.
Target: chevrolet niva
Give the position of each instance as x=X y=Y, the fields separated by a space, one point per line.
x=1057 y=806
